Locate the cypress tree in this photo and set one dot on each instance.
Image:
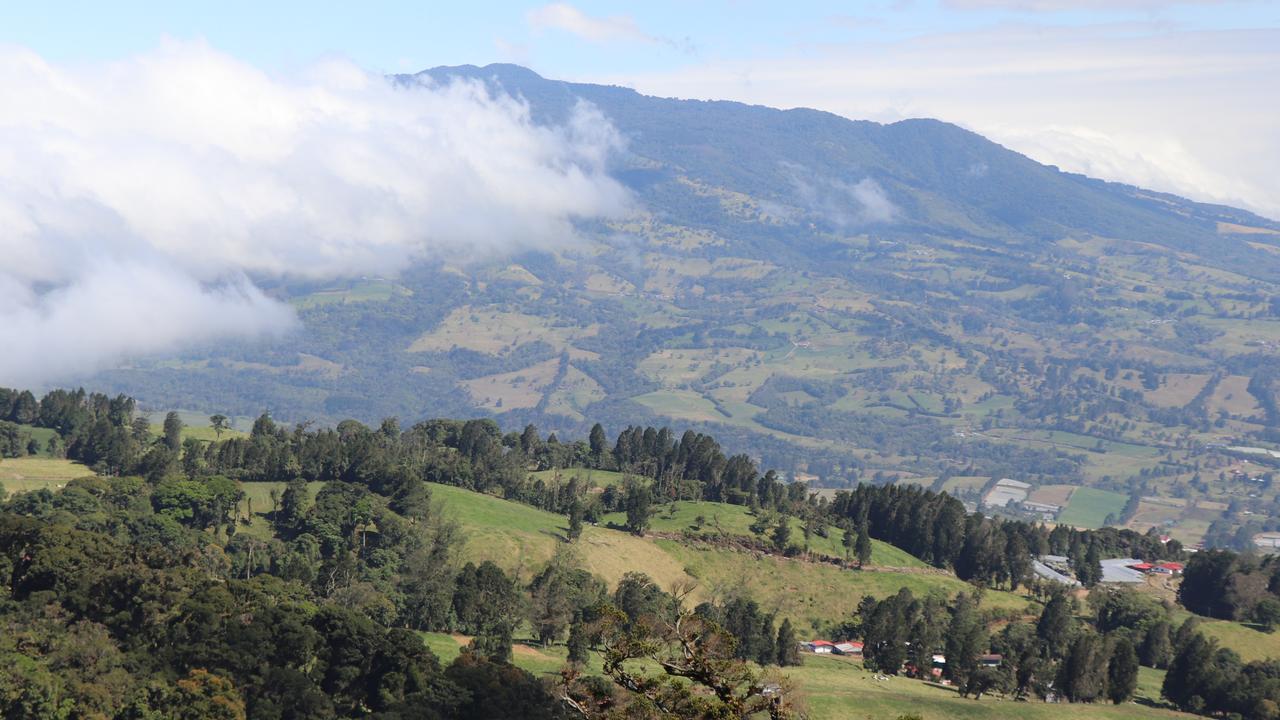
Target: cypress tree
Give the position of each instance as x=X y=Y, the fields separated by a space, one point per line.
x=577 y=644
x=1056 y=626
x=862 y=547
x=787 y=646
x=575 y=520
x=1157 y=648
x=172 y=431
x=1083 y=673
x=1122 y=672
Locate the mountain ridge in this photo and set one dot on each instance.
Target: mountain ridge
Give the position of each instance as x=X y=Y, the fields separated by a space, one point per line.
x=550 y=99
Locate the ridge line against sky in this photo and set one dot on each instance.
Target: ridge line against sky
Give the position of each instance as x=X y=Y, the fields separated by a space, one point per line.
x=1171 y=95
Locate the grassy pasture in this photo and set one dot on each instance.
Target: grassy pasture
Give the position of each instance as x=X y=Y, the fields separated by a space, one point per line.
x=836 y=688
x=574 y=393
x=722 y=518
x=519 y=538
x=494 y=331
x=513 y=390
x=258 y=500
x=25 y=474
x=584 y=476
x=367 y=291
x=196 y=425
x=1089 y=507
x=1232 y=395
x=1177 y=390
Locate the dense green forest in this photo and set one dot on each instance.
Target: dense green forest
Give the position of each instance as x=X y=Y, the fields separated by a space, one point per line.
x=142 y=590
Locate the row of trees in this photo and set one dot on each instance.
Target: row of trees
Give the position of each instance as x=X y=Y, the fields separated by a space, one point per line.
x=475 y=454
x=1054 y=655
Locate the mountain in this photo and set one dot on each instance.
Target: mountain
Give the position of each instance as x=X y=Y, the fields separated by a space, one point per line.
x=842 y=299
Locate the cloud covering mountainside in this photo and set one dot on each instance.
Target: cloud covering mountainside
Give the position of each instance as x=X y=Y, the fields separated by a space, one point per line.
x=137 y=197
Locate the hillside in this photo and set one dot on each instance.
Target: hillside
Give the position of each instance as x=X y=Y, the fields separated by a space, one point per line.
x=844 y=300
x=519 y=538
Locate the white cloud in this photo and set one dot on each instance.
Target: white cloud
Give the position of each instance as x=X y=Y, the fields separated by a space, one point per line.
x=566 y=17
x=842 y=204
x=1184 y=112
x=111 y=311
x=188 y=165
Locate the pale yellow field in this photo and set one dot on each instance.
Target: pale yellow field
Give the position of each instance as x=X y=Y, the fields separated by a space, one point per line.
x=575 y=392
x=495 y=332
x=1178 y=389
x=508 y=391
x=34 y=473
x=1232 y=395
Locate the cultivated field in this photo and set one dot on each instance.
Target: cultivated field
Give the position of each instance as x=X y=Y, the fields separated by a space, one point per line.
x=1090 y=507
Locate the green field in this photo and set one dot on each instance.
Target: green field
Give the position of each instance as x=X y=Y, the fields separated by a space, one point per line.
x=34 y=473
x=258 y=501
x=835 y=688
x=1248 y=643
x=730 y=520
x=519 y=538
x=585 y=476
x=1089 y=507
x=196 y=425
x=366 y=291
x=41 y=436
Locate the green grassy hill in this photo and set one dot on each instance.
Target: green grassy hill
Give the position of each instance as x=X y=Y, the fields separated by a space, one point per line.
x=519 y=538
x=724 y=519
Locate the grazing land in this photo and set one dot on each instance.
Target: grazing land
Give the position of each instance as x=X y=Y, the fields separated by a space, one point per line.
x=38 y=473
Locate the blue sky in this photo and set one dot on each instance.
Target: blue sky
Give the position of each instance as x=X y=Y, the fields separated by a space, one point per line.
x=1171 y=95
x=400 y=35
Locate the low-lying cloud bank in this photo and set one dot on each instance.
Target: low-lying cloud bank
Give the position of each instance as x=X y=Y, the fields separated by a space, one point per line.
x=135 y=196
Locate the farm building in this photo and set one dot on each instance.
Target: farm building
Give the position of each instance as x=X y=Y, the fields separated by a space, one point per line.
x=1005 y=492
x=849 y=648
x=1267 y=540
x=821 y=647
x=991 y=660
x=1047 y=511
x=1121 y=570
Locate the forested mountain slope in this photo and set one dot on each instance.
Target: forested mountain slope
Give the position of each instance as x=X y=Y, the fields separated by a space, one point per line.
x=843 y=300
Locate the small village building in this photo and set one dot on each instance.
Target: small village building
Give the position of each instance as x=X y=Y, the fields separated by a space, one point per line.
x=992 y=660
x=820 y=647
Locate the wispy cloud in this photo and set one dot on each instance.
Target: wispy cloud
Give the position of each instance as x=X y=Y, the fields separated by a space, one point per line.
x=600 y=30
x=566 y=17
x=135 y=196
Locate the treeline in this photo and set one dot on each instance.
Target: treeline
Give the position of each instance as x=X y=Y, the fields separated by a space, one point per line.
x=475 y=454
x=936 y=528
x=1066 y=653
